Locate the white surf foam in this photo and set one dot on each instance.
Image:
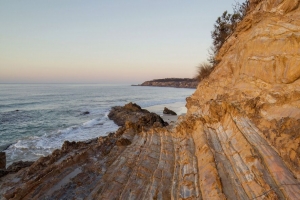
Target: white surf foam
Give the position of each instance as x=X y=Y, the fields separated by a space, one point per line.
x=34 y=147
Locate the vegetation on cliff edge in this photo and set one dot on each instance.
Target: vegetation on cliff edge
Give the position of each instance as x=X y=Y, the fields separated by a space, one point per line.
x=223 y=29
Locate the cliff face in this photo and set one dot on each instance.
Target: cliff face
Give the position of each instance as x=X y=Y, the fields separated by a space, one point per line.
x=239 y=140
x=172 y=82
x=248 y=111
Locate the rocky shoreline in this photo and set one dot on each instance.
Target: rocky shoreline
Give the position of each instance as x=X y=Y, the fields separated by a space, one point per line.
x=171 y=82
x=77 y=158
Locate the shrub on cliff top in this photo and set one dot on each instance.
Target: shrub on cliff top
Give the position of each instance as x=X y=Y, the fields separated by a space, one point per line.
x=204 y=71
x=225 y=26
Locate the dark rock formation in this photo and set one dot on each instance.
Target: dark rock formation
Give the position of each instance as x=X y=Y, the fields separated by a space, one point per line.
x=85 y=113
x=169 y=112
x=133 y=113
x=4 y=147
x=129 y=112
x=16 y=166
x=3 y=172
x=2 y=160
x=172 y=82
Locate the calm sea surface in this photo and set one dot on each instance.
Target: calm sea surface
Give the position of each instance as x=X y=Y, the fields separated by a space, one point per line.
x=38 y=118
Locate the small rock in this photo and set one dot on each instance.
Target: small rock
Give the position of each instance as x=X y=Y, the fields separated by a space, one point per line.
x=85 y=113
x=169 y=112
x=4 y=147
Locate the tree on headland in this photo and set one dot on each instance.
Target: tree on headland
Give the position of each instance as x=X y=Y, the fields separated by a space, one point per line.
x=223 y=28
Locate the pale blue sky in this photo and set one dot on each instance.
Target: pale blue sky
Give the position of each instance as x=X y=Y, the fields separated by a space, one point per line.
x=128 y=41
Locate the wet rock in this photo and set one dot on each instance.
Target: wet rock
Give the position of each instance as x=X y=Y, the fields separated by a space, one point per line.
x=2 y=160
x=132 y=112
x=4 y=147
x=169 y=112
x=3 y=172
x=16 y=166
x=85 y=113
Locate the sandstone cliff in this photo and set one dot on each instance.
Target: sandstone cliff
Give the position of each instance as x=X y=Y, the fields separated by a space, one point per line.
x=172 y=82
x=239 y=140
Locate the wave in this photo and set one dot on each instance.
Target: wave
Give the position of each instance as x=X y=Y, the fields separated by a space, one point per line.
x=34 y=147
x=160 y=102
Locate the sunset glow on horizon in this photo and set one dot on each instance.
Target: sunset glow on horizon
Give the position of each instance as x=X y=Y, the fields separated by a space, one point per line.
x=104 y=41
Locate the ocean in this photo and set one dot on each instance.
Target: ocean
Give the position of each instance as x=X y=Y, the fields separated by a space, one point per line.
x=36 y=119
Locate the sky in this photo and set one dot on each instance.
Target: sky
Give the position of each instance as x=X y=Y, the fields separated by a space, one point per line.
x=104 y=41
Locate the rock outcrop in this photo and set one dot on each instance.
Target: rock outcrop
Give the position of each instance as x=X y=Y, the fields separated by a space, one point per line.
x=167 y=111
x=172 y=82
x=239 y=140
x=134 y=113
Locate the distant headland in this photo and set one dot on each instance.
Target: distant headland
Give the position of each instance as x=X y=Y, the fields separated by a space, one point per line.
x=171 y=82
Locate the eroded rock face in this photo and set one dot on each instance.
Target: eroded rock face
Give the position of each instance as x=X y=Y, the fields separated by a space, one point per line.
x=248 y=110
x=239 y=140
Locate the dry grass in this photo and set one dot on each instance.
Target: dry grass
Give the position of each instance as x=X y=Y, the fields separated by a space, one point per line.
x=204 y=71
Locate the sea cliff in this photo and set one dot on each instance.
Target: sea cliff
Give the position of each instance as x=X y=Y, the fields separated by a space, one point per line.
x=239 y=140
x=172 y=82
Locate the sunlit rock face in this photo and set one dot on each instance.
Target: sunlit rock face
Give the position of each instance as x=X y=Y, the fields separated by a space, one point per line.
x=239 y=140
x=249 y=108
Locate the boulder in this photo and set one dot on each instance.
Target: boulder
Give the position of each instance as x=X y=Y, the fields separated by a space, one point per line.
x=137 y=117
x=169 y=112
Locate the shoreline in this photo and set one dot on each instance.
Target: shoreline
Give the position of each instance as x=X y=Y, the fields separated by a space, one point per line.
x=178 y=107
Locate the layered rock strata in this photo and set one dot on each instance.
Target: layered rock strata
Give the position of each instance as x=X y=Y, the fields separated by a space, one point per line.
x=239 y=140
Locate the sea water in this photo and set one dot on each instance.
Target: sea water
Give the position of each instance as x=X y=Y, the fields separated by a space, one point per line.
x=36 y=119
